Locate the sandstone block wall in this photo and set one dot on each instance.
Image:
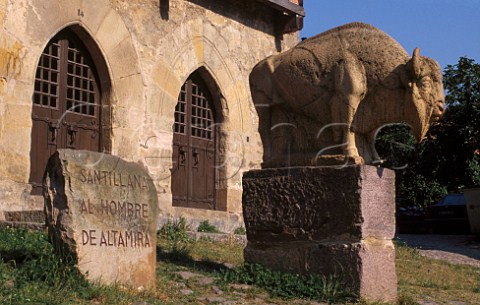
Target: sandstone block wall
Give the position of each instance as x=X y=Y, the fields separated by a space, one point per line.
x=150 y=50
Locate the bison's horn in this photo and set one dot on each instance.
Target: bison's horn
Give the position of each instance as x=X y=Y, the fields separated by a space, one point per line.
x=416 y=53
x=416 y=61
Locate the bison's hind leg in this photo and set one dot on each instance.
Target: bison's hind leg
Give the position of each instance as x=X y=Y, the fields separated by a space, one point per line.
x=350 y=90
x=342 y=115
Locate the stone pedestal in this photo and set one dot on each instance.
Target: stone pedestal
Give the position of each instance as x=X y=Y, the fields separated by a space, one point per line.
x=102 y=211
x=325 y=220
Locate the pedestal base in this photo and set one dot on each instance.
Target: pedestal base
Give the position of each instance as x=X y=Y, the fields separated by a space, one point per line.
x=366 y=267
x=325 y=220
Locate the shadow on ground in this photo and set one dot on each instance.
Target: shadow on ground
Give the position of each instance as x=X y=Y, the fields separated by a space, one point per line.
x=182 y=258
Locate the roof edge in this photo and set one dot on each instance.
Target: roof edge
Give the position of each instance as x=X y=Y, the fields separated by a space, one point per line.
x=286 y=6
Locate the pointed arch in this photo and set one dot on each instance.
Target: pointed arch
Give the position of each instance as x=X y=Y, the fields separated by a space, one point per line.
x=70 y=104
x=196 y=139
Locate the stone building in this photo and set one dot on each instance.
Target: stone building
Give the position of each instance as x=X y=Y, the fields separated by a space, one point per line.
x=159 y=82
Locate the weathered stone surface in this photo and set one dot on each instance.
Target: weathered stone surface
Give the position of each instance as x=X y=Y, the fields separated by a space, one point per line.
x=22 y=225
x=205 y=280
x=368 y=267
x=215 y=299
x=217 y=290
x=15 y=196
x=103 y=211
x=186 y=291
x=319 y=203
x=332 y=92
x=186 y=275
x=324 y=220
x=25 y=216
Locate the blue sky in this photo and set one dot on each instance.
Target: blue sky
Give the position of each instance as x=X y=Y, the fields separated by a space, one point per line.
x=442 y=29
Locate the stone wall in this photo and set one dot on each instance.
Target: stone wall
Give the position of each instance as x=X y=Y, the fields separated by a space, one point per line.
x=150 y=48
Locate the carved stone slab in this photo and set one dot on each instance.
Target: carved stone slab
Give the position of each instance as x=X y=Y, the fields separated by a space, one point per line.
x=324 y=220
x=103 y=211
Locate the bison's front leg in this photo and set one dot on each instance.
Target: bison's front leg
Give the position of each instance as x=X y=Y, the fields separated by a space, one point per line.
x=350 y=89
x=376 y=159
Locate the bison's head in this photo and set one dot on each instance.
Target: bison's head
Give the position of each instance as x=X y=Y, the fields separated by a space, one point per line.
x=425 y=97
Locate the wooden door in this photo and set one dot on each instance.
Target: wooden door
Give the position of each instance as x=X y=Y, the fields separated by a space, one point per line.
x=66 y=104
x=193 y=174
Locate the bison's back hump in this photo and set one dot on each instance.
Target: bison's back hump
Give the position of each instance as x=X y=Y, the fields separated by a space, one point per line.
x=305 y=70
x=379 y=52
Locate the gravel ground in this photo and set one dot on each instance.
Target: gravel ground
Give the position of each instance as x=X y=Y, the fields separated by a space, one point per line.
x=456 y=249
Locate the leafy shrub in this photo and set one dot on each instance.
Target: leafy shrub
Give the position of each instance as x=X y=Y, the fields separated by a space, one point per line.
x=240 y=231
x=288 y=285
x=206 y=227
x=175 y=230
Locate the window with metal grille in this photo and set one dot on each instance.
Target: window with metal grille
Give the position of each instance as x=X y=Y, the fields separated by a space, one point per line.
x=65 y=72
x=46 y=78
x=194 y=104
x=181 y=111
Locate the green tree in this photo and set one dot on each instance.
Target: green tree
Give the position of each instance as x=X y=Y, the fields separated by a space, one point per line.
x=415 y=184
x=458 y=135
x=396 y=145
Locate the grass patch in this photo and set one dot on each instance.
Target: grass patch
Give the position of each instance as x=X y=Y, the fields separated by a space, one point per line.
x=31 y=273
x=286 y=285
x=421 y=278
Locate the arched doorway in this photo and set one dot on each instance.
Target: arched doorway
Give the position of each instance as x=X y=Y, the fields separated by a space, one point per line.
x=68 y=100
x=195 y=136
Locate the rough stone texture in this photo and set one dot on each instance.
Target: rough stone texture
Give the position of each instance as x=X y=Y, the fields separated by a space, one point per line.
x=35 y=226
x=16 y=197
x=368 y=267
x=331 y=93
x=319 y=204
x=326 y=220
x=103 y=211
x=26 y=216
x=150 y=49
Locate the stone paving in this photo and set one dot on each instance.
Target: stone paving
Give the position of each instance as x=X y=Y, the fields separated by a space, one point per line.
x=456 y=249
x=238 y=295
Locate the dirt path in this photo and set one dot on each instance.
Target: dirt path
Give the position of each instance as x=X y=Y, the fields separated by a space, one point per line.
x=456 y=249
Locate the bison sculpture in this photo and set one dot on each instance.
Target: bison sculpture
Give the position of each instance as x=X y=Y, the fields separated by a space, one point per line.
x=326 y=98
